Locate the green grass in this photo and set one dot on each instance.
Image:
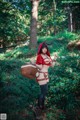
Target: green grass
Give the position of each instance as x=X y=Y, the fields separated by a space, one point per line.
x=17 y=93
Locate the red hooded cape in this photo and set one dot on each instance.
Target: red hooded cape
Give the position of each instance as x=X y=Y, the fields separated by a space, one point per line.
x=40 y=59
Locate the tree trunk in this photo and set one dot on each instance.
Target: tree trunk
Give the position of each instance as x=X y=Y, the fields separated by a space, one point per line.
x=70 y=25
x=54 y=9
x=33 y=26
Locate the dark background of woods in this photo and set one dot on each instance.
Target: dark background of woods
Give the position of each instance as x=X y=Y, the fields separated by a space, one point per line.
x=23 y=25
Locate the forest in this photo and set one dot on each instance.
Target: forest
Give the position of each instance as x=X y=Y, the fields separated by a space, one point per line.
x=24 y=24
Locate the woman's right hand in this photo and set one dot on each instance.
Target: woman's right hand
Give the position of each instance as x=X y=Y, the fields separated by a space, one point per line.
x=39 y=66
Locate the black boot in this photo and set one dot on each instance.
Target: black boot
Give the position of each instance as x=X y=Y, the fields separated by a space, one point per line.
x=40 y=102
x=43 y=105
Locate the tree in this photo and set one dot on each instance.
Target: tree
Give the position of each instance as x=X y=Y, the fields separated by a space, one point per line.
x=14 y=19
x=33 y=26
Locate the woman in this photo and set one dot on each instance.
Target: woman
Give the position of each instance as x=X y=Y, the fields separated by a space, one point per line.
x=43 y=62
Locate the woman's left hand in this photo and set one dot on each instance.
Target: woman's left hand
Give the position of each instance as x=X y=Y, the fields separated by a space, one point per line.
x=55 y=56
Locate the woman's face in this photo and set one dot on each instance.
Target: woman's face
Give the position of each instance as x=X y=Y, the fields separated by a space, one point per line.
x=44 y=50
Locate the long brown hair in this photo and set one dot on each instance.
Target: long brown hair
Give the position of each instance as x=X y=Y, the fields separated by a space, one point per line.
x=44 y=45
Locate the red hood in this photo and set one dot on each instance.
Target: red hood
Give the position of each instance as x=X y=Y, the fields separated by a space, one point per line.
x=40 y=46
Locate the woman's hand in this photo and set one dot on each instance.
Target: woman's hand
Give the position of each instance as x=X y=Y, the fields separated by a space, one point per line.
x=55 y=57
x=39 y=66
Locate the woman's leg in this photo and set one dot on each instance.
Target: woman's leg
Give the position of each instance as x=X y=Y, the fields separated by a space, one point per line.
x=41 y=98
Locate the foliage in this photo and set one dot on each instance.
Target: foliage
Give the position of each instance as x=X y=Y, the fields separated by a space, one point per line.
x=14 y=24
x=18 y=93
x=15 y=20
x=64 y=82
